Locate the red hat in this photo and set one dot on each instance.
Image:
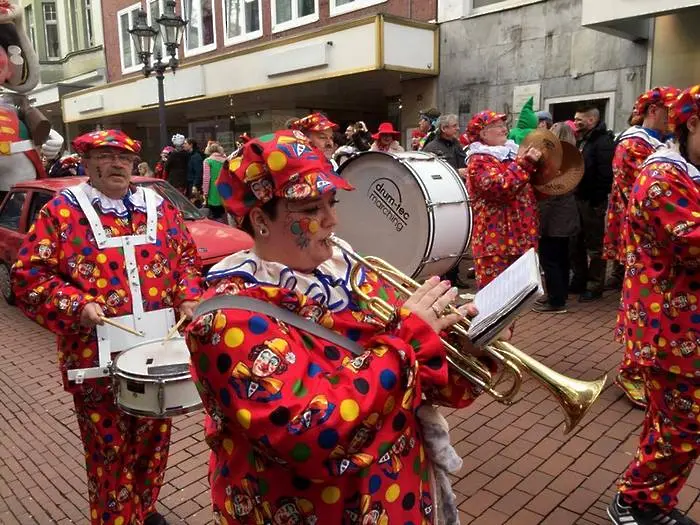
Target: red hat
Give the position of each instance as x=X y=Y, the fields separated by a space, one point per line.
x=657 y=96
x=480 y=121
x=684 y=106
x=386 y=128
x=313 y=122
x=110 y=138
x=281 y=164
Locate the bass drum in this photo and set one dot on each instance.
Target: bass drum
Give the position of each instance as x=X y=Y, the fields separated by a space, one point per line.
x=410 y=209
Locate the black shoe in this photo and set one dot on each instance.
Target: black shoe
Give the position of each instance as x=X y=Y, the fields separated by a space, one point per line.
x=549 y=309
x=155 y=519
x=588 y=296
x=542 y=300
x=622 y=514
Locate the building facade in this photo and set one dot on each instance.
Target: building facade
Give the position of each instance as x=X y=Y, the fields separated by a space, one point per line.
x=250 y=65
x=68 y=38
x=497 y=53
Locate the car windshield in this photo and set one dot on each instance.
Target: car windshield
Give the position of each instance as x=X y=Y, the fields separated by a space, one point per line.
x=167 y=191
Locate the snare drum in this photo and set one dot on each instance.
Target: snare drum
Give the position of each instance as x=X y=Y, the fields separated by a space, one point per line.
x=410 y=209
x=153 y=380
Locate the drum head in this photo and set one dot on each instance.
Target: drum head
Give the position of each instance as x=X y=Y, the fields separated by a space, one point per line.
x=155 y=359
x=386 y=216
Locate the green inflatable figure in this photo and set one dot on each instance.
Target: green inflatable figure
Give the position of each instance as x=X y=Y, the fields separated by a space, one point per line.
x=527 y=122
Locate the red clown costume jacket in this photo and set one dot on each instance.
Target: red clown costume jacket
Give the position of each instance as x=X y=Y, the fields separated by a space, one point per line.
x=660 y=321
x=305 y=432
x=506 y=220
x=60 y=269
x=633 y=148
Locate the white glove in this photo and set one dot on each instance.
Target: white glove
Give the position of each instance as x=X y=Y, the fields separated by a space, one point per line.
x=53 y=145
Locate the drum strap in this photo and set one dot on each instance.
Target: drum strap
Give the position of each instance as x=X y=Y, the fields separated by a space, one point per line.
x=239 y=302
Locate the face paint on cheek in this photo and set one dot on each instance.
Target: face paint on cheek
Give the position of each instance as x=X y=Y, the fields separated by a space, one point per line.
x=302 y=229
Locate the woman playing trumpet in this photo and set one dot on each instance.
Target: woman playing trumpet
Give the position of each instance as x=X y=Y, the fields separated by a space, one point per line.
x=301 y=430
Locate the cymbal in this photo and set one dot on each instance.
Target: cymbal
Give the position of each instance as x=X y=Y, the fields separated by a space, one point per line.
x=569 y=176
x=552 y=154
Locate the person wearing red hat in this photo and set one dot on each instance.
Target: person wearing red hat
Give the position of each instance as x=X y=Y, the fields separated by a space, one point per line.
x=506 y=220
x=385 y=139
x=660 y=321
x=89 y=255
x=320 y=432
x=647 y=134
x=319 y=130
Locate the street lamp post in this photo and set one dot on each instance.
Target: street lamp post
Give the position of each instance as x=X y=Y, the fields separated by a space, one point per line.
x=148 y=42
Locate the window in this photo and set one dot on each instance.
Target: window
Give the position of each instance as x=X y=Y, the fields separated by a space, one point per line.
x=339 y=7
x=29 y=19
x=88 y=29
x=12 y=211
x=241 y=20
x=39 y=199
x=199 y=33
x=53 y=48
x=126 y=18
x=292 y=13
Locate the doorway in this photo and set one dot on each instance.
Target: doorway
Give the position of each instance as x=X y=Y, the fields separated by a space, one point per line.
x=564 y=108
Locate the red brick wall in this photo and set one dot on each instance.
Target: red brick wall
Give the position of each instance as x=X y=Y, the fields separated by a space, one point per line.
x=422 y=10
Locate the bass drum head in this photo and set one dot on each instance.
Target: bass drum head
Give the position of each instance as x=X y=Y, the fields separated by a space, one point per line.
x=386 y=216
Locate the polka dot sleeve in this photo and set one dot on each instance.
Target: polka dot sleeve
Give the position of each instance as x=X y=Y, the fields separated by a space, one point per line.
x=188 y=265
x=41 y=290
x=304 y=402
x=493 y=180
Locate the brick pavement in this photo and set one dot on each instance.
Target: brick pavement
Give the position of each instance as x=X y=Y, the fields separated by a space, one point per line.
x=519 y=468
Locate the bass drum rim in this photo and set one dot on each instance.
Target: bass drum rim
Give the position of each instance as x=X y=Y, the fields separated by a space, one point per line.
x=430 y=210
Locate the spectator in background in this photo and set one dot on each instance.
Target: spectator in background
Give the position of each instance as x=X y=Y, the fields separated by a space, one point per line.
x=144 y=169
x=385 y=139
x=176 y=165
x=195 y=167
x=446 y=144
x=597 y=145
x=559 y=222
x=349 y=132
x=544 y=119
x=420 y=132
x=212 y=168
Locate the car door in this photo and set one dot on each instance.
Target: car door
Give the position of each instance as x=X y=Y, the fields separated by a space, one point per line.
x=11 y=235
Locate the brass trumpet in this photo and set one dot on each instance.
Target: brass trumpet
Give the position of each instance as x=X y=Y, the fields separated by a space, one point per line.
x=573 y=395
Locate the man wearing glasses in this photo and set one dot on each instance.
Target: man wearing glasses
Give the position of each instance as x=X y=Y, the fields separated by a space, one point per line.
x=105 y=248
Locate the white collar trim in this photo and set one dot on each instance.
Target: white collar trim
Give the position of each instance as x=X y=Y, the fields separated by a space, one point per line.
x=671 y=155
x=328 y=284
x=107 y=205
x=641 y=133
x=506 y=152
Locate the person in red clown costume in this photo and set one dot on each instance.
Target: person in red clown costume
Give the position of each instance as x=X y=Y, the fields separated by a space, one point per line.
x=317 y=433
x=123 y=241
x=660 y=322
x=647 y=134
x=506 y=220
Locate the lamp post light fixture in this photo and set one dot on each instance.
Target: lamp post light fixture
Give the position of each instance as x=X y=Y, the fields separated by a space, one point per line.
x=148 y=42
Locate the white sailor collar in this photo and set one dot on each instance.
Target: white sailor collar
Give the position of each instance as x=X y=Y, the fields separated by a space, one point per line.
x=136 y=196
x=671 y=155
x=328 y=284
x=640 y=133
x=506 y=152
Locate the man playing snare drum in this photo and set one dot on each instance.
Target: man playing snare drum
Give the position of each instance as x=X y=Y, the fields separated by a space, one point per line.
x=105 y=248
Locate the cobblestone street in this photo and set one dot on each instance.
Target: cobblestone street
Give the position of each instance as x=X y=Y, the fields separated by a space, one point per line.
x=518 y=469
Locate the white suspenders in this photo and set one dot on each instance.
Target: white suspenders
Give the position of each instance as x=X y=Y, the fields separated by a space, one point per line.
x=151 y=324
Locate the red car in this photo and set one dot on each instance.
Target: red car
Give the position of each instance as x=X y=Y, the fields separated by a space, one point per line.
x=22 y=204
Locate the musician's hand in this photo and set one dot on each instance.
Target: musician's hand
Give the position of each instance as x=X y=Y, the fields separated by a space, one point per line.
x=507 y=334
x=187 y=309
x=462 y=172
x=533 y=154
x=91 y=315
x=430 y=301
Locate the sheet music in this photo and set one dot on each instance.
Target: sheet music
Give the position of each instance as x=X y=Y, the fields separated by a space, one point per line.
x=506 y=296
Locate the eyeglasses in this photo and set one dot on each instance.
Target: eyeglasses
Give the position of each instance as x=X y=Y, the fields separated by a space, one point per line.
x=114 y=157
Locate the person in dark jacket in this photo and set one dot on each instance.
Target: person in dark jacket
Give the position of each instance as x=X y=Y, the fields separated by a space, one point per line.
x=195 y=167
x=597 y=146
x=446 y=145
x=559 y=222
x=176 y=165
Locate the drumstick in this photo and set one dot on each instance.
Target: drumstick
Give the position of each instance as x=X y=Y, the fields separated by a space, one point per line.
x=175 y=328
x=121 y=326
